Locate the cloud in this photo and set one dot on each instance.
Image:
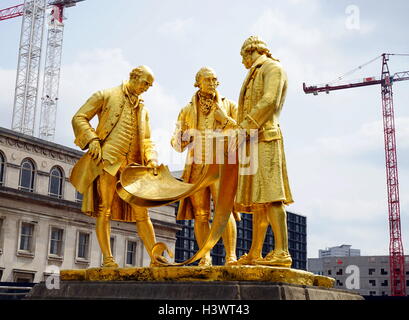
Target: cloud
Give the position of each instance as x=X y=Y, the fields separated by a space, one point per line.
x=177 y=27
x=366 y=144
x=341 y=187
x=163 y=112
x=105 y=68
x=90 y=71
x=275 y=24
x=7 y=84
x=94 y=70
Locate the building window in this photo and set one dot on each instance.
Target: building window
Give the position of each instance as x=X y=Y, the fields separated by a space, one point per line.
x=26 y=244
x=55 y=186
x=112 y=243
x=383 y=272
x=384 y=283
x=83 y=246
x=1 y=235
x=27 y=176
x=372 y=283
x=2 y=168
x=131 y=252
x=22 y=276
x=371 y=271
x=78 y=197
x=56 y=241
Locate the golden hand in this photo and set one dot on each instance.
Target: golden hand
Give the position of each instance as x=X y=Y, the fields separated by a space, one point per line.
x=220 y=115
x=95 y=150
x=235 y=144
x=153 y=164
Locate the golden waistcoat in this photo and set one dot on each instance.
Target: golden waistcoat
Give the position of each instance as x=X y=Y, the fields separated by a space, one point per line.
x=191 y=118
x=206 y=124
x=122 y=146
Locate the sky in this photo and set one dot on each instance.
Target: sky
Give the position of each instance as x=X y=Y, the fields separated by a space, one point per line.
x=333 y=142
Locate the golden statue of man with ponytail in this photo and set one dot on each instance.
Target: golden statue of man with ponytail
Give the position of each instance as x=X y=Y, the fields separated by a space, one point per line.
x=265 y=192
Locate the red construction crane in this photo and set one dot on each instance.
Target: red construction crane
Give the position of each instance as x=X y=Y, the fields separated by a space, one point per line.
x=396 y=254
x=11 y=12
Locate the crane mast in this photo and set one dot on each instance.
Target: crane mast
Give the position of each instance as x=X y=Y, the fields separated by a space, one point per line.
x=28 y=67
x=52 y=68
x=29 y=60
x=49 y=99
x=396 y=254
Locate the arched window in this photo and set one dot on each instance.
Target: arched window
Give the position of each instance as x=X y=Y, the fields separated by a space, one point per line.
x=2 y=168
x=78 y=196
x=55 y=186
x=27 y=175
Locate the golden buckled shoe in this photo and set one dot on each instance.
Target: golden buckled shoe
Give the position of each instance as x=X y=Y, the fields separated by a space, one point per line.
x=276 y=259
x=244 y=260
x=230 y=261
x=206 y=261
x=109 y=262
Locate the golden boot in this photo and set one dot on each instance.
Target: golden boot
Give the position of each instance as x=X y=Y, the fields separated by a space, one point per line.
x=103 y=230
x=229 y=241
x=103 y=221
x=202 y=230
x=260 y=225
x=280 y=256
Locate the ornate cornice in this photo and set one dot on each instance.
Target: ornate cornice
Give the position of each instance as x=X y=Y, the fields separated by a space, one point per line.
x=38 y=147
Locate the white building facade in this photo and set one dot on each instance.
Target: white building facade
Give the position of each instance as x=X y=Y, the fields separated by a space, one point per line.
x=367 y=275
x=41 y=225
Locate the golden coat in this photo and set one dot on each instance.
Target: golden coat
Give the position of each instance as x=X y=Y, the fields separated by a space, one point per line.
x=107 y=105
x=187 y=120
x=261 y=100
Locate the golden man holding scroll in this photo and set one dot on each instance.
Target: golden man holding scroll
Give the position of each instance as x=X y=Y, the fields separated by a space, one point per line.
x=206 y=113
x=264 y=191
x=122 y=137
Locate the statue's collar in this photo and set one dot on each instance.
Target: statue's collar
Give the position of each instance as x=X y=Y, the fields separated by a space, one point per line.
x=260 y=60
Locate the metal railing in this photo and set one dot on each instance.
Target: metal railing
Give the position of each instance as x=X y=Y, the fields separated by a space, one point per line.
x=14 y=290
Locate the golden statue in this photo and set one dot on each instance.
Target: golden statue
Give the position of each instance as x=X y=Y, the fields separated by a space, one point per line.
x=206 y=113
x=262 y=191
x=265 y=192
x=122 y=137
x=119 y=176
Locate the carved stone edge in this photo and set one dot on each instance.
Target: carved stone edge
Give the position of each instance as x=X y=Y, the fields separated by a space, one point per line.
x=216 y=273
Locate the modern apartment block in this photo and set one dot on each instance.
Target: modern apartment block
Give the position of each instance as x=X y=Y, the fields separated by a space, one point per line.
x=297 y=239
x=367 y=275
x=343 y=250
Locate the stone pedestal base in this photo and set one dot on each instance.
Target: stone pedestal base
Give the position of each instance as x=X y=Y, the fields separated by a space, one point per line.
x=192 y=283
x=240 y=290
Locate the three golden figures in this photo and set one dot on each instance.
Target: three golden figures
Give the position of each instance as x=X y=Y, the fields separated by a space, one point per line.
x=235 y=160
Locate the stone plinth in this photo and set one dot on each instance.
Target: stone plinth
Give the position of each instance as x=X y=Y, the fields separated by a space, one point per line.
x=193 y=283
x=216 y=273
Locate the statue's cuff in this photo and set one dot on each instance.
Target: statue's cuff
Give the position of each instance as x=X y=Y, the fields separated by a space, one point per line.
x=253 y=121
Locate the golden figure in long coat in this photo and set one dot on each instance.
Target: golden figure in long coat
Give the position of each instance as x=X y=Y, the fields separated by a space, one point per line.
x=265 y=191
x=206 y=113
x=121 y=137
